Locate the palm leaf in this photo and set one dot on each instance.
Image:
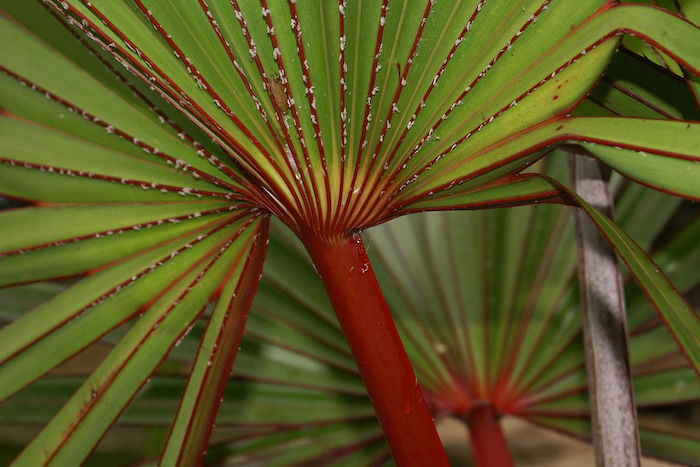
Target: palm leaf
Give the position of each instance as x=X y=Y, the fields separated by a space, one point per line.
x=513 y=340
x=152 y=185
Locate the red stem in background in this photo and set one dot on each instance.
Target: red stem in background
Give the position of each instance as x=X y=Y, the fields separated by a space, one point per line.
x=359 y=304
x=488 y=443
